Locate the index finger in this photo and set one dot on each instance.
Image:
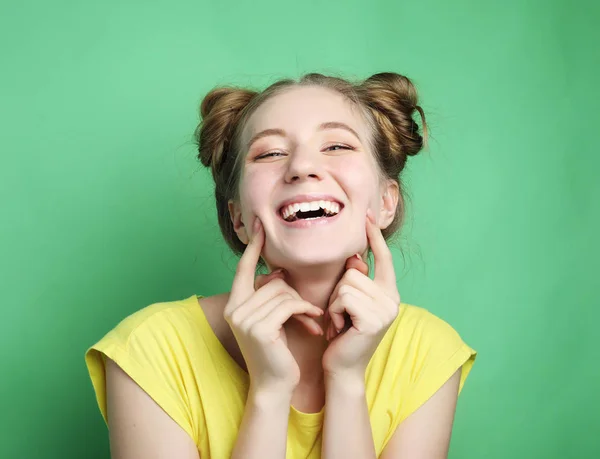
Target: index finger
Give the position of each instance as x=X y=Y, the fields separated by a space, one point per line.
x=385 y=274
x=243 y=282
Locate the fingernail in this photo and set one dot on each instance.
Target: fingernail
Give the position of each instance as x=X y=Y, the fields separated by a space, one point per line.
x=256 y=226
x=277 y=271
x=358 y=256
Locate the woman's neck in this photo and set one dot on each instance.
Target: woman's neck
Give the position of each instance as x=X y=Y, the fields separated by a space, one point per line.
x=315 y=284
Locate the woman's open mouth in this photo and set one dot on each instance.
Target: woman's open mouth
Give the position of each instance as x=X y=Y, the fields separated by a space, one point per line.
x=310 y=213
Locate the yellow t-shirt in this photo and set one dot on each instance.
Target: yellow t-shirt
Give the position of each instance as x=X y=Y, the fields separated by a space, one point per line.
x=172 y=353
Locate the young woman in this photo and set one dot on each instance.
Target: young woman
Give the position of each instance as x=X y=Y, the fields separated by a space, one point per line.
x=315 y=358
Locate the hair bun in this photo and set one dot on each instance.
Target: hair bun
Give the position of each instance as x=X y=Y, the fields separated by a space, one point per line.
x=220 y=111
x=393 y=100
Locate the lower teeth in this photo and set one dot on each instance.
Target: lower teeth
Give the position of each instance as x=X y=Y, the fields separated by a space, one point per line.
x=293 y=219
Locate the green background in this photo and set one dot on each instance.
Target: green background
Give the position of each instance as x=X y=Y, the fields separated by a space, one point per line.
x=105 y=209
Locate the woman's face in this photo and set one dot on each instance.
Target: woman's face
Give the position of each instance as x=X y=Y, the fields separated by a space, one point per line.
x=307 y=150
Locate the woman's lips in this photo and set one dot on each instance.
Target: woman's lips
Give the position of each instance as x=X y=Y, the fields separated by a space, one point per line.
x=310 y=222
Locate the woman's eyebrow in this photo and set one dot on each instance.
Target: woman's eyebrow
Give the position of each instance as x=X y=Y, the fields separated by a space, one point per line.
x=265 y=133
x=321 y=127
x=338 y=125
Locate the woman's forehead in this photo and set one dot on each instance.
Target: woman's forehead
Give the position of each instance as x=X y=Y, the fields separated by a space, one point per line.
x=303 y=109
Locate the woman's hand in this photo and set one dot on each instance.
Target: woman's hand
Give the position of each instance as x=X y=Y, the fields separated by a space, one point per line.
x=256 y=317
x=372 y=306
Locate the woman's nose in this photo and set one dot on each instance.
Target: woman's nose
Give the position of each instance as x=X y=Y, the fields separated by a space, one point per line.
x=303 y=165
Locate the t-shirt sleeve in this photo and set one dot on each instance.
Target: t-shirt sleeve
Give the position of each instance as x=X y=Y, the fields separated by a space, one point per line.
x=144 y=348
x=437 y=352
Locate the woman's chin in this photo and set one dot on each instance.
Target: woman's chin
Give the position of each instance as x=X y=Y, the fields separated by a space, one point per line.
x=305 y=257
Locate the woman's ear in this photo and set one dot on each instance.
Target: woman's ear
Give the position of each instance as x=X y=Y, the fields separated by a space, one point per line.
x=235 y=212
x=389 y=203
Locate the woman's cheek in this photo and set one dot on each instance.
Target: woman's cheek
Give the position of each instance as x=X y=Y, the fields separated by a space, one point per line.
x=255 y=203
x=357 y=172
x=250 y=190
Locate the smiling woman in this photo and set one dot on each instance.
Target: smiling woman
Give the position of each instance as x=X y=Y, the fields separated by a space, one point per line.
x=375 y=116
x=316 y=358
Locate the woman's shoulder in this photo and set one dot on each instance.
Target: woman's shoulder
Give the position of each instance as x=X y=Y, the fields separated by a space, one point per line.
x=410 y=315
x=180 y=319
x=156 y=316
x=160 y=347
x=423 y=335
x=415 y=317
x=422 y=351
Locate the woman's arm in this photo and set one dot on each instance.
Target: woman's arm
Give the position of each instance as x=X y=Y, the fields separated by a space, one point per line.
x=425 y=434
x=263 y=431
x=346 y=426
x=138 y=427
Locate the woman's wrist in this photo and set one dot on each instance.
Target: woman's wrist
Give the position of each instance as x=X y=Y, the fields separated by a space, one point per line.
x=270 y=397
x=352 y=384
x=263 y=430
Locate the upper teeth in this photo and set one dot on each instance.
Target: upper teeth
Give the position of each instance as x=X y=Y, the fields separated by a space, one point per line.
x=291 y=209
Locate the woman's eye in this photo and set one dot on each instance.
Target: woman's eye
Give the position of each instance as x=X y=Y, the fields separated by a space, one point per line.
x=335 y=147
x=338 y=146
x=266 y=155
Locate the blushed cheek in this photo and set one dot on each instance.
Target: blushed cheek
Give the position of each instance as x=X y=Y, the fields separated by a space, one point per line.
x=363 y=188
x=253 y=195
